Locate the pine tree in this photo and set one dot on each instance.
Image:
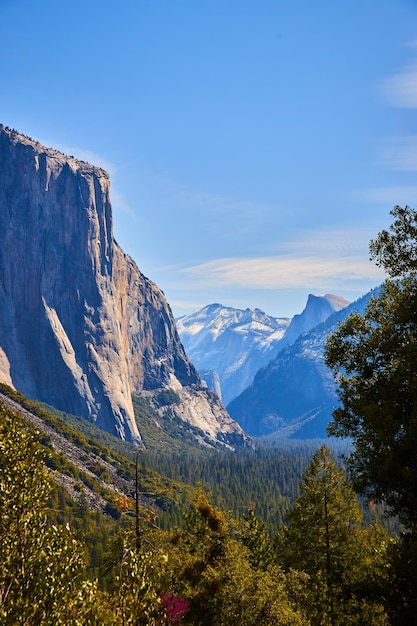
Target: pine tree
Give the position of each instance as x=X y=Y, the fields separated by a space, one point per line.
x=374 y=359
x=254 y=535
x=323 y=539
x=215 y=575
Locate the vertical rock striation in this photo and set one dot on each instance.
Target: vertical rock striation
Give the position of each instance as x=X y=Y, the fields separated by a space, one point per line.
x=80 y=327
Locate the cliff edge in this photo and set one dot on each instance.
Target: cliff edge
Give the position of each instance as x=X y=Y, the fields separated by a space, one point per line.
x=81 y=328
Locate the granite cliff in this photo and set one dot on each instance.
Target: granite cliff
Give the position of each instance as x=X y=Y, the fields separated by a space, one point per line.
x=81 y=328
x=316 y=311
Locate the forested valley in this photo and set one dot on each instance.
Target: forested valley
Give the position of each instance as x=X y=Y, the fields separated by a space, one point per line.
x=210 y=537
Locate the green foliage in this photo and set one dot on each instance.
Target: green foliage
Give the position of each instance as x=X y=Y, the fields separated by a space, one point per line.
x=214 y=573
x=396 y=250
x=402 y=582
x=215 y=567
x=324 y=540
x=140 y=584
x=79 y=431
x=169 y=496
x=40 y=565
x=166 y=397
x=254 y=535
x=375 y=361
x=374 y=358
x=265 y=480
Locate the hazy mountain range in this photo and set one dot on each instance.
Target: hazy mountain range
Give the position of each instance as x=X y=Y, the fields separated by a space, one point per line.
x=230 y=345
x=295 y=394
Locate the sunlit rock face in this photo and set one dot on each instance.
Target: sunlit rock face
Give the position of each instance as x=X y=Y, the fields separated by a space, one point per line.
x=316 y=311
x=81 y=328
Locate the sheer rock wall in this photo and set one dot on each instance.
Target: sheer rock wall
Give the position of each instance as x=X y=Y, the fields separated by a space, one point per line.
x=81 y=328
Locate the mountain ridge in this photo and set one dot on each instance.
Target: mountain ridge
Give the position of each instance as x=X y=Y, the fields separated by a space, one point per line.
x=295 y=394
x=230 y=343
x=233 y=344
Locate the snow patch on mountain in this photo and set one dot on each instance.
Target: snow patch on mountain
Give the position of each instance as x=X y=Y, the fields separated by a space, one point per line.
x=234 y=343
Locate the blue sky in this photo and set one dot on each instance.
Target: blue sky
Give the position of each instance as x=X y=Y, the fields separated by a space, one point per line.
x=254 y=148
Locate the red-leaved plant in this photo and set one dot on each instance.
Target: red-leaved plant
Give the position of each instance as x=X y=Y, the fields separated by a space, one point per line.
x=174 y=608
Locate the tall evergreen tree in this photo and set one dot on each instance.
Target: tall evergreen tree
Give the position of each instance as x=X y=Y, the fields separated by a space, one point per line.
x=374 y=359
x=215 y=575
x=254 y=535
x=323 y=539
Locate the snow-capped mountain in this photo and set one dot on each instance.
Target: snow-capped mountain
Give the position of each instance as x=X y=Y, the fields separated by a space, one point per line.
x=295 y=394
x=235 y=343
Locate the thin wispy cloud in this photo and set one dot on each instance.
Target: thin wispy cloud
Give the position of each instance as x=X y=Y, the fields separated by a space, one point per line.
x=333 y=242
x=331 y=260
x=400 y=89
x=283 y=272
x=398 y=153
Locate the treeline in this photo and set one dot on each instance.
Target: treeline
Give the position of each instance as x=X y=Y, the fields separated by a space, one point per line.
x=324 y=566
x=266 y=479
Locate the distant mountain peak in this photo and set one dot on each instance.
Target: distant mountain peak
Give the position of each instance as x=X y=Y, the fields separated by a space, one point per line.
x=235 y=343
x=316 y=311
x=232 y=343
x=295 y=394
x=335 y=301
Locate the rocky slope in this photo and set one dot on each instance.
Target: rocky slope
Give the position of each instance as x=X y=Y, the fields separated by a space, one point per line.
x=295 y=394
x=77 y=456
x=233 y=344
x=80 y=327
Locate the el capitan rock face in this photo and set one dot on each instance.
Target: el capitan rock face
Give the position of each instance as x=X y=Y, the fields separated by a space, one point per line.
x=80 y=327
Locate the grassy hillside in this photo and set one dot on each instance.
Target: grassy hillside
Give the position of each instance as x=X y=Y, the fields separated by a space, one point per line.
x=93 y=465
